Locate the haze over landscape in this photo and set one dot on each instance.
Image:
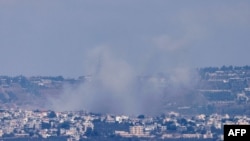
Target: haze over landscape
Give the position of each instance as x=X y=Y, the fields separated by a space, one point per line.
x=53 y=37
x=116 y=42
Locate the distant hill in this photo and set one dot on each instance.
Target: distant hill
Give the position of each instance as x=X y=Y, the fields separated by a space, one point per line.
x=219 y=89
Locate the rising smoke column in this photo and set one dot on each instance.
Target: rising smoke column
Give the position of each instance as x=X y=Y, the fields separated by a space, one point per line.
x=115 y=86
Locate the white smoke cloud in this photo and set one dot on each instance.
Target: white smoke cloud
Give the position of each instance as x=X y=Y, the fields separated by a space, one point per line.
x=110 y=88
x=115 y=86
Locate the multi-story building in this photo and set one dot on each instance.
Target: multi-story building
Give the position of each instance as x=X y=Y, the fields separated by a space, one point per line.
x=136 y=130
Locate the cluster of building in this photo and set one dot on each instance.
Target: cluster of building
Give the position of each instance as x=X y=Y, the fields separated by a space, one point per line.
x=43 y=124
x=226 y=89
x=81 y=125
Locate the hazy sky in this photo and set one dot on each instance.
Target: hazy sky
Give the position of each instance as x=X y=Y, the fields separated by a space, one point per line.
x=55 y=37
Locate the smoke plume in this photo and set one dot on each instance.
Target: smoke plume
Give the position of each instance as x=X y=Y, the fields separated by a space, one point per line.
x=114 y=85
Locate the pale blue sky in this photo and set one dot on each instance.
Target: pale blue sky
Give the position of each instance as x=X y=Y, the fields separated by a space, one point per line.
x=55 y=37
